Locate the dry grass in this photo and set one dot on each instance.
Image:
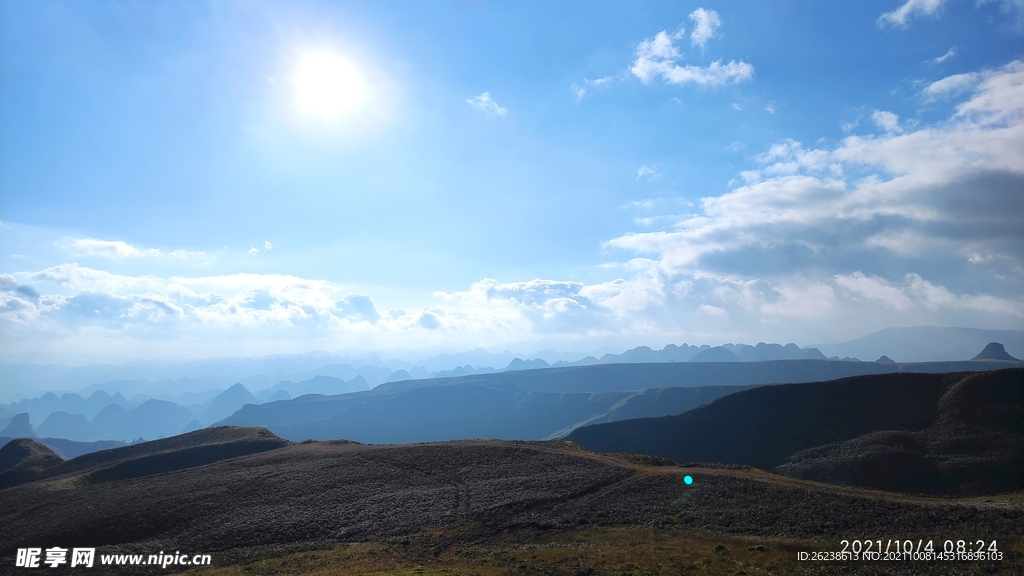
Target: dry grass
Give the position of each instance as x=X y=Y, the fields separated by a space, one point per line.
x=620 y=551
x=492 y=508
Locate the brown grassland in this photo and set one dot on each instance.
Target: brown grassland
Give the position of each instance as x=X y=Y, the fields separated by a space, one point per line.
x=483 y=507
x=620 y=551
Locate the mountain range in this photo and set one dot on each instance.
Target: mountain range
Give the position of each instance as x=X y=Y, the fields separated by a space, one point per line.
x=190 y=382
x=926 y=344
x=534 y=402
x=544 y=402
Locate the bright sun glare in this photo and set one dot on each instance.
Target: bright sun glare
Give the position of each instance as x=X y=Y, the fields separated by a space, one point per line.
x=327 y=85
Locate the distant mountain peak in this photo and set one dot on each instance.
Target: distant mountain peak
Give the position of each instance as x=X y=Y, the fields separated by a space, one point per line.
x=885 y=360
x=520 y=364
x=716 y=354
x=995 y=351
x=19 y=428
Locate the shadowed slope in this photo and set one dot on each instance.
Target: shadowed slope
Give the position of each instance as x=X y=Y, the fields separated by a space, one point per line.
x=176 y=453
x=932 y=433
x=24 y=460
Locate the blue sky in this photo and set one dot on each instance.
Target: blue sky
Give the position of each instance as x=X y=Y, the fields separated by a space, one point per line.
x=233 y=178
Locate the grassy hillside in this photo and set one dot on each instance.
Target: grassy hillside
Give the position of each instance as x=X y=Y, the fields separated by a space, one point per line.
x=486 y=506
x=960 y=433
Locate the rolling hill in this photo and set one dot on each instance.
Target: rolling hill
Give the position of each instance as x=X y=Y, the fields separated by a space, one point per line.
x=70 y=448
x=958 y=433
x=26 y=460
x=452 y=502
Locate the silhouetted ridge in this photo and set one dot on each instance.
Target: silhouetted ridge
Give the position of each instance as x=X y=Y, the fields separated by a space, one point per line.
x=994 y=351
x=520 y=364
x=716 y=354
x=225 y=404
x=19 y=428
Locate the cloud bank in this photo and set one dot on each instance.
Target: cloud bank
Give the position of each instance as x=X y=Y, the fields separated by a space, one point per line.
x=882 y=221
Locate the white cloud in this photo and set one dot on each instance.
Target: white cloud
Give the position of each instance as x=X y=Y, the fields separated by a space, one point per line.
x=109 y=249
x=119 y=250
x=357 y=306
x=915 y=292
x=648 y=173
x=712 y=310
x=581 y=91
x=886 y=121
x=874 y=288
x=254 y=250
x=217 y=303
x=795 y=301
x=901 y=16
x=267 y=245
x=242 y=309
x=949 y=54
x=429 y=321
x=487 y=104
x=657 y=56
x=661 y=47
x=715 y=74
x=82 y=279
x=705 y=23
x=912 y=8
x=998 y=98
x=951 y=85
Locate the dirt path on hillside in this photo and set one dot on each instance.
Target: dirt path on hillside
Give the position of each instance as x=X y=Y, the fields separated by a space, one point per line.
x=1013 y=501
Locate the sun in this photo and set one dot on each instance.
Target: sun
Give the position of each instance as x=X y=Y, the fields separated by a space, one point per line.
x=327 y=85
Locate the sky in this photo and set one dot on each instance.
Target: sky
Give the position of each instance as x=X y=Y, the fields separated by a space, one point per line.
x=217 y=179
